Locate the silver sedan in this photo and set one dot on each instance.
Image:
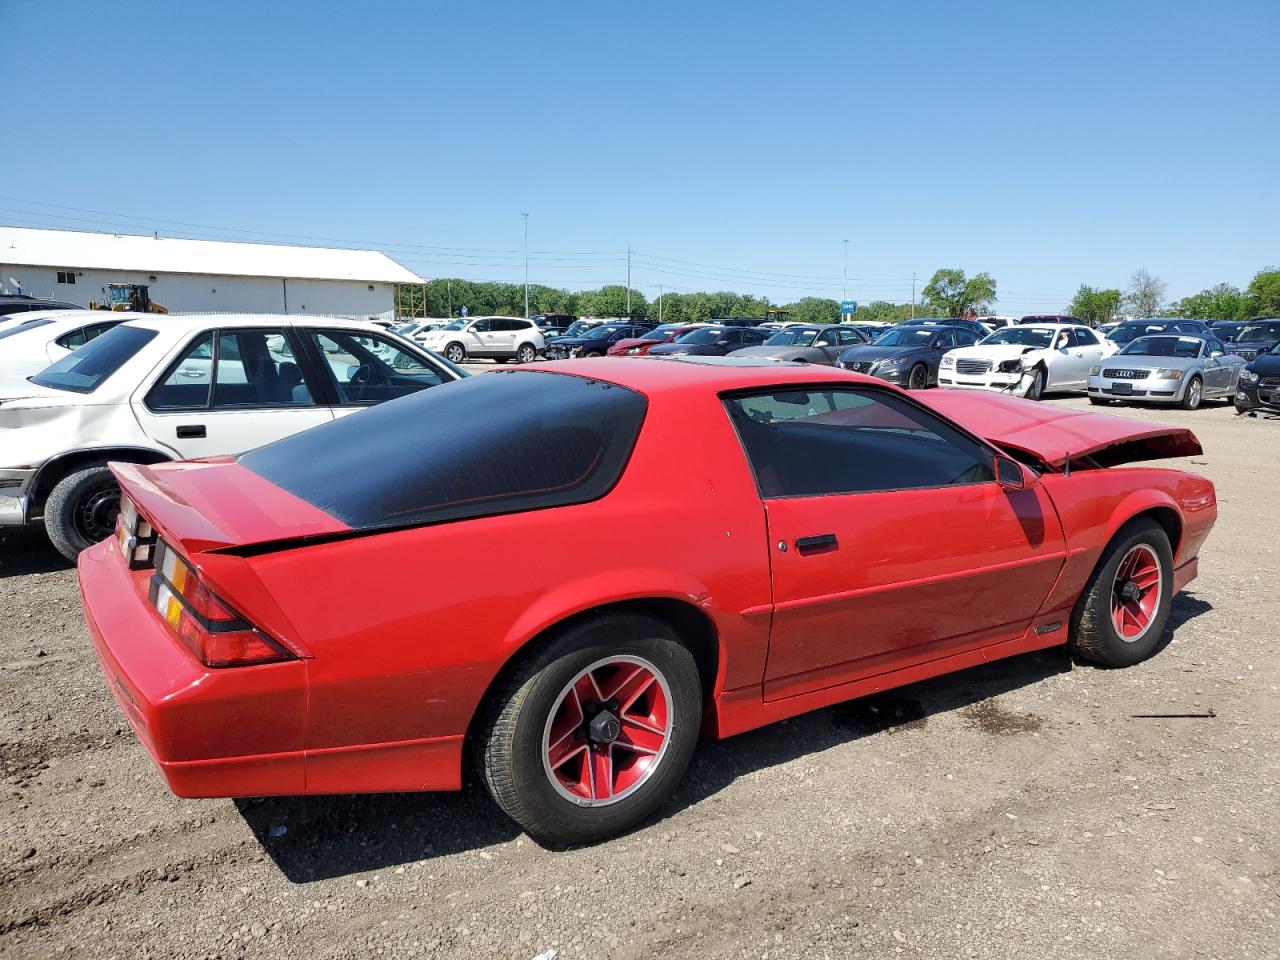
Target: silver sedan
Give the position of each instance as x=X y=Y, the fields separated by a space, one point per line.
x=1167 y=368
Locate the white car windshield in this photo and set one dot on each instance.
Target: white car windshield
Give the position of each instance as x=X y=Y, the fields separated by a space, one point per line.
x=1024 y=336
x=1188 y=347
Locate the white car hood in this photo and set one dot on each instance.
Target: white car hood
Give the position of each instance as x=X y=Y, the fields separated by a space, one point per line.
x=994 y=351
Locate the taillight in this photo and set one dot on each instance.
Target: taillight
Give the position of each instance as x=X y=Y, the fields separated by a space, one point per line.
x=216 y=634
x=136 y=537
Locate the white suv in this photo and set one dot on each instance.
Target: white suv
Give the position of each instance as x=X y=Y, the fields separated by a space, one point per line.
x=495 y=338
x=176 y=388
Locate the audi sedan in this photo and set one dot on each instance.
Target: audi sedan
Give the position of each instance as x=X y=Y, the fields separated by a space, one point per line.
x=320 y=615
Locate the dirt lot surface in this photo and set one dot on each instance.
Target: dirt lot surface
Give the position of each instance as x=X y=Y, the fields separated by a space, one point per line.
x=1018 y=810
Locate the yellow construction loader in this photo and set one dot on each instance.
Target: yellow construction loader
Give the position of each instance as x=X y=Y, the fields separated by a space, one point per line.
x=130 y=297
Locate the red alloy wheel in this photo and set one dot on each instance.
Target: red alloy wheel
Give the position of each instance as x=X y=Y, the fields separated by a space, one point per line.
x=1136 y=596
x=608 y=731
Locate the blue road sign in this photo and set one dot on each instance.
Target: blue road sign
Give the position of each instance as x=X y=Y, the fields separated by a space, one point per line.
x=848 y=306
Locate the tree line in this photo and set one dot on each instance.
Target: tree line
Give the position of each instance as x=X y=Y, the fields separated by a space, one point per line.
x=949 y=293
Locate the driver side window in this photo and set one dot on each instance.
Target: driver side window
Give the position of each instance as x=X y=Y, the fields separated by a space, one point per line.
x=366 y=368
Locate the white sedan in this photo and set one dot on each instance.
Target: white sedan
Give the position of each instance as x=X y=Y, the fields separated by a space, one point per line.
x=1027 y=360
x=44 y=336
x=176 y=388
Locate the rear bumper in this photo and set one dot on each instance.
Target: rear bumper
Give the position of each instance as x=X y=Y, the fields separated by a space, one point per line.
x=213 y=733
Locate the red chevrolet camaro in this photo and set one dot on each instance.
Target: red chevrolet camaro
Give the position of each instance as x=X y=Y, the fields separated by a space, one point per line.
x=564 y=574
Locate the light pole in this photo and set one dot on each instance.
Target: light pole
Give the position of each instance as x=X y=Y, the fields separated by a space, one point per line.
x=526 y=265
x=845 y=289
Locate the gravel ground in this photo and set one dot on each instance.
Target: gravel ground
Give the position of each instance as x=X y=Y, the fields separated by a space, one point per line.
x=1017 y=810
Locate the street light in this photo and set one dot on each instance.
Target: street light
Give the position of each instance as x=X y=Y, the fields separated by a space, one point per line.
x=845 y=289
x=526 y=265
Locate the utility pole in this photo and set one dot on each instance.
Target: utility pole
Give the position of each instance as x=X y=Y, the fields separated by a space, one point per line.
x=526 y=265
x=659 y=303
x=913 y=294
x=628 y=279
x=448 y=285
x=845 y=289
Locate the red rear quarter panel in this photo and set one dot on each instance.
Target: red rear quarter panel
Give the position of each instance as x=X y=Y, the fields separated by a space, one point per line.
x=408 y=629
x=1094 y=504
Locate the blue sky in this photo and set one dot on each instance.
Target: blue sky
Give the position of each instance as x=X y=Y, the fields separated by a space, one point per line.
x=733 y=145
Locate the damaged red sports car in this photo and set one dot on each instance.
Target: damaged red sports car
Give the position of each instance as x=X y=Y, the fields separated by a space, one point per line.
x=565 y=575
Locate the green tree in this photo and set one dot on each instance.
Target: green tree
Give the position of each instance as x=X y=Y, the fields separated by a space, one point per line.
x=1145 y=294
x=1262 y=296
x=949 y=293
x=1220 y=302
x=1094 y=306
x=815 y=310
x=611 y=301
x=881 y=311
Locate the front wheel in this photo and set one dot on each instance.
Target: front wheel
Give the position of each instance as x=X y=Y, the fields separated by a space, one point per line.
x=1036 y=389
x=591 y=734
x=1193 y=394
x=919 y=377
x=455 y=353
x=82 y=509
x=1123 y=611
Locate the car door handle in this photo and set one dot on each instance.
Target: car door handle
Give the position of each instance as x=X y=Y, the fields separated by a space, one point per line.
x=818 y=544
x=191 y=431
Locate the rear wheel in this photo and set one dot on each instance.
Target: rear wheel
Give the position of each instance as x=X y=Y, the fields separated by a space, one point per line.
x=526 y=353
x=1193 y=394
x=590 y=736
x=455 y=353
x=1125 y=606
x=82 y=509
x=919 y=377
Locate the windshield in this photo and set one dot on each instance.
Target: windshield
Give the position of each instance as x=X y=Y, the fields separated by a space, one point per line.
x=86 y=369
x=454 y=325
x=1258 y=333
x=1131 y=331
x=704 y=335
x=912 y=337
x=600 y=333
x=25 y=325
x=661 y=332
x=1026 y=336
x=578 y=328
x=1188 y=347
x=792 y=336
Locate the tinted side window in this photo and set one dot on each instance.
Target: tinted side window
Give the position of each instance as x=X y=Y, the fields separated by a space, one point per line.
x=809 y=443
x=258 y=368
x=186 y=384
x=754 y=337
x=78 y=338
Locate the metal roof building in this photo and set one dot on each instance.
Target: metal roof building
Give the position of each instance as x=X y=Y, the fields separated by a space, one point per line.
x=202 y=275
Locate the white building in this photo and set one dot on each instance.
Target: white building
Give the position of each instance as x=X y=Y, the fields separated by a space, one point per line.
x=188 y=276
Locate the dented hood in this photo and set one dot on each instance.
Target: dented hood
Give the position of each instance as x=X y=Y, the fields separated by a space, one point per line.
x=1052 y=435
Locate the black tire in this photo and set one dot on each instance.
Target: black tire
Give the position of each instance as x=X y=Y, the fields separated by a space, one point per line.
x=1240 y=407
x=593 y=353
x=526 y=353
x=1036 y=390
x=1099 y=401
x=1094 y=636
x=1193 y=395
x=82 y=509
x=511 y=737
x=501 y=359
x=455 y=353
x=918 y=378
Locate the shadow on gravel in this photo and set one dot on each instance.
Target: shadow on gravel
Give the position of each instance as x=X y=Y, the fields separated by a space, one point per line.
x=326 y=837
x=25 y=552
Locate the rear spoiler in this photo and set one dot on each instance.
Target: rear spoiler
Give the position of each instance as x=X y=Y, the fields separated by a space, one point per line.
x=1054 y=436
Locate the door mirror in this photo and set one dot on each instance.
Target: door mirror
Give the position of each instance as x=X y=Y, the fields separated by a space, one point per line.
x=1009 y=474
x=1215 y=352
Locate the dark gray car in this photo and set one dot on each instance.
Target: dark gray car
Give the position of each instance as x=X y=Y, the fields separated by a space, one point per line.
x=801 y=343
x=908 y=355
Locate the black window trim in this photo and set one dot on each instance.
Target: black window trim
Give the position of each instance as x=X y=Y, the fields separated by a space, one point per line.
x=289 y=332
x=727 y=395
